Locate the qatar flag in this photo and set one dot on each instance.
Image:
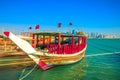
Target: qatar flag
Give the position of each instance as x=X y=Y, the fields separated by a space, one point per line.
x=37 y=27
x=59 y=25
x=30 y=27
x=70 y=23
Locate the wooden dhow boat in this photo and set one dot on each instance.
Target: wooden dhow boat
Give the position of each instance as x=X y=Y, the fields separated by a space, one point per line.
x=61 y=49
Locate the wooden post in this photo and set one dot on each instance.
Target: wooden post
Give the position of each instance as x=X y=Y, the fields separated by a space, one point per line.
x=33 y=37
x=55 y=39
x=78 y=47
x=43 y=40
x=49 y=39
x=72 y=44
x=33 y=41
x=59 y=42
x=37 y=39
x=62 y=39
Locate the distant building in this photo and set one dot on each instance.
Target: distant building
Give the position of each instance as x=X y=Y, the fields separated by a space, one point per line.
x=109 y=36
x=100 y=35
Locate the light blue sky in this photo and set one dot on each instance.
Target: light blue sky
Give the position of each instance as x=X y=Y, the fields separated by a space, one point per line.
x=101 y=16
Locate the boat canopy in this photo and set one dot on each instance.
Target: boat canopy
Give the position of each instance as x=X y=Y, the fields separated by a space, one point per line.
x=56 y=34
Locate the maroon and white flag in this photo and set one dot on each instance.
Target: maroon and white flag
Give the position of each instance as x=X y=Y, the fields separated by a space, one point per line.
x=37 y=27
x=59 y=25
x=70 y=23
x=30 y=28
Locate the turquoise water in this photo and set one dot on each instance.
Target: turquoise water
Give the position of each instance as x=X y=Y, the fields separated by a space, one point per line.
x=100 y=63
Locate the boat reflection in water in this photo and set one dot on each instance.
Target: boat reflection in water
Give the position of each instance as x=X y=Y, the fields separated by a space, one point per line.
x=76 y=71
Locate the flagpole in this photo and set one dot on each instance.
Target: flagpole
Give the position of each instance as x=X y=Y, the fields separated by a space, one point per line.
x=68 y=29
x=58 y=29
x=59 y=25
x=70 y=24
x=29 y=30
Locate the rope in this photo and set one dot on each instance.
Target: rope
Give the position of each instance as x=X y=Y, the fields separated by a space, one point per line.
x=103 y=54
x=22 y=72
x=27 y=73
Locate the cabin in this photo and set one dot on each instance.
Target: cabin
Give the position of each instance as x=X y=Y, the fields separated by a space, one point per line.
x=58 y=43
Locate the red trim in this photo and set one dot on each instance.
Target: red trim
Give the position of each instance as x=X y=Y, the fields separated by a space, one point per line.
x=43 y=65
x=65 y=48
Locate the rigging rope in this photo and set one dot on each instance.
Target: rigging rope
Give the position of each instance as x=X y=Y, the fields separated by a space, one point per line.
x=103 y=54
x=21 y=78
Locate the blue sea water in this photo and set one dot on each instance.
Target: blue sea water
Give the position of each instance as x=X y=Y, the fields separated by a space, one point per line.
x=101 y=62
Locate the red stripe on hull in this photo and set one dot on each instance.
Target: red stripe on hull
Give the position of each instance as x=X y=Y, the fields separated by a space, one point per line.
x=44 y=66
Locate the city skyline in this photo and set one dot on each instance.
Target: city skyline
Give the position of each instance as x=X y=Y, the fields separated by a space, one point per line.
x=89 y=15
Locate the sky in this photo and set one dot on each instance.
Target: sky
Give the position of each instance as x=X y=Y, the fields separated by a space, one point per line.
x=101 y=16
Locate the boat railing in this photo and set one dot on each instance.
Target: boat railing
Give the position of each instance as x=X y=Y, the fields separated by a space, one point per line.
x=65 y=48
x=53 y=48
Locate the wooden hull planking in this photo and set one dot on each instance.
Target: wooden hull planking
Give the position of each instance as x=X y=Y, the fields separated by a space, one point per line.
x=55 y=60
